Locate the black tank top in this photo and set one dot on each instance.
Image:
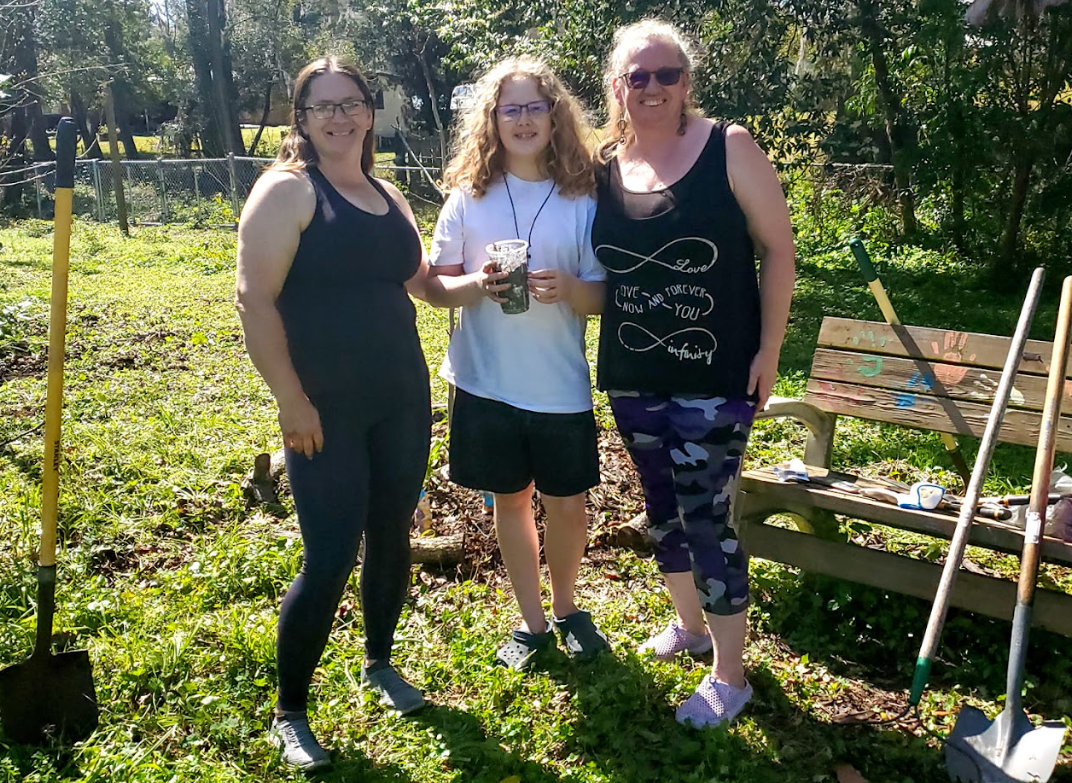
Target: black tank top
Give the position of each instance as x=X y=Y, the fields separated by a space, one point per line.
x=682 y=306
x=350 y=325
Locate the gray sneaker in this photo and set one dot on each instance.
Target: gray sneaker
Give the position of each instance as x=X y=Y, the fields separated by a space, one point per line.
x=394 y=691
x=291 y=733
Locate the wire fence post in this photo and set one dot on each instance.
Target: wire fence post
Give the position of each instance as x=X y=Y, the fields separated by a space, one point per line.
x=99 y=189
x=37 y=190
x=197 y=191
x=163 y=191
x=234 y=185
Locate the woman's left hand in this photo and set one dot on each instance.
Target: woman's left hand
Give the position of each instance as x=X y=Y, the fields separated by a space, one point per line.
x=551 y=286
x=762 y=375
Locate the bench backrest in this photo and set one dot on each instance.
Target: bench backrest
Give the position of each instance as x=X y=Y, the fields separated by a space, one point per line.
x=931 y=379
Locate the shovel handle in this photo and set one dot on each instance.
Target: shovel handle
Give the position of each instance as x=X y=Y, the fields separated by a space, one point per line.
x=936 y=621
x=1039 y=500
x=57 y=328
x=867 y=269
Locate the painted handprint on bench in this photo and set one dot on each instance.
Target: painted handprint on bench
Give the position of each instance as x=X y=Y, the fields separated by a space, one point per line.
x=953 y=350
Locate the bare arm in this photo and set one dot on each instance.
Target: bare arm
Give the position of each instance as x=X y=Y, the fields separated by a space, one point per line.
x=554 y=285
x=279 y=208
x=418 y=284
x=449 y=286
x=756 y=187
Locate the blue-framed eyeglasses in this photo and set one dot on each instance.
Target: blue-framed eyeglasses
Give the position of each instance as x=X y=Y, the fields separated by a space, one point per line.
x=511 y=112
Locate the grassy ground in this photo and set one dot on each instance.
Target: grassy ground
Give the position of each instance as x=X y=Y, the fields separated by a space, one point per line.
x=173 y=584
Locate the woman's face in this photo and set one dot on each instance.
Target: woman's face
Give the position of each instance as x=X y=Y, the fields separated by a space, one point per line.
x=653 y=103
x=340 y=134
x=523 y=119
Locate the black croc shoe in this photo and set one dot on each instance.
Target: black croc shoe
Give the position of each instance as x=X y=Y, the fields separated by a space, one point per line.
x=580 y=636
x=523 y=647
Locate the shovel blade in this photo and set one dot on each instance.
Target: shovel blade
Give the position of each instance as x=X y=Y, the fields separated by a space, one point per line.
x=49 y=698
x=1008 y=749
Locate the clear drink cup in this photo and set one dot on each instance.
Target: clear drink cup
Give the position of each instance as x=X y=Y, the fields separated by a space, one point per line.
x=512 y=256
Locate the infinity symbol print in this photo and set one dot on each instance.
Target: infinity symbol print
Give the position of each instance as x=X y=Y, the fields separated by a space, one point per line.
x=636 y=338
x=621 y=261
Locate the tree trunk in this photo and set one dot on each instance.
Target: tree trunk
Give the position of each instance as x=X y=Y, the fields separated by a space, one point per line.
x=220 y=133
x=25 y=62
x=901 y=136
x=264 y=119
x=435 y=105
x=1006 y=263
x=81 y=121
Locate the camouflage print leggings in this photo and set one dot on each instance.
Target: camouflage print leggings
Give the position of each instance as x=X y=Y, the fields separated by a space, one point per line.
x=688 y=451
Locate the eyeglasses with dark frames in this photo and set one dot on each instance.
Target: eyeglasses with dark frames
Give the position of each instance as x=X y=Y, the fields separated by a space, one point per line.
x=638 y=79
x=325 y=111
x=511 y=112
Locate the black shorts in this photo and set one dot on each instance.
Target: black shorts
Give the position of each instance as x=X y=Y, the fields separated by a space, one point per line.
x=496 y=447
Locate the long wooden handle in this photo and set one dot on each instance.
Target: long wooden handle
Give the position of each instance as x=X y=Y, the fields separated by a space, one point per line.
x=1038 y=504
x=57 y=330
x=971 y=498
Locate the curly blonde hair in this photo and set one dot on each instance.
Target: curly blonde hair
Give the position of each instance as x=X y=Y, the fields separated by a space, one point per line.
x=625 y=38
x=479 y=157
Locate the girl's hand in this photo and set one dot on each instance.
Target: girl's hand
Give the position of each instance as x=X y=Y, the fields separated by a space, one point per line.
x=551 y=286
x=762 y=375
x=300 y=424
x=491 y=281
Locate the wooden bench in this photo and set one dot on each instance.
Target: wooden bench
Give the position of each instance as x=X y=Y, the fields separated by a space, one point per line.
x=928 y=379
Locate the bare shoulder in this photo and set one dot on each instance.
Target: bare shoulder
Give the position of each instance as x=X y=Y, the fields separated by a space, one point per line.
x=275 y=185
x=738 y=139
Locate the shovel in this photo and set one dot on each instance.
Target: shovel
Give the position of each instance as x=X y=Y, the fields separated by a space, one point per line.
x=936 y=621
x=51 y=697
x=1010 y=748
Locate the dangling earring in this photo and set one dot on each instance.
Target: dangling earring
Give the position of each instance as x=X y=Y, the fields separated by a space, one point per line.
x=682 y=123
x=621 y=131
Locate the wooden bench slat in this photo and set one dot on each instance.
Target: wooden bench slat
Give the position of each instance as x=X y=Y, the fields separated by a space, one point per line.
x=914 y=376
x=991 y=534
x=942 y=345
x=981 y=594
x=921 y=411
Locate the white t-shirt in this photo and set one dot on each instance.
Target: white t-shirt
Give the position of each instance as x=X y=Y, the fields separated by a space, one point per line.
x=533 y=360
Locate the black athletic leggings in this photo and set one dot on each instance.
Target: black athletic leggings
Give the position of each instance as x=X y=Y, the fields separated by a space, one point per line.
x=365 y=482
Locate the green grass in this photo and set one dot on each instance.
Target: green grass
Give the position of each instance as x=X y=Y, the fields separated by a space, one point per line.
x=173 y=584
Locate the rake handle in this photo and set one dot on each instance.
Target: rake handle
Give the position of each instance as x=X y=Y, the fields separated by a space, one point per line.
x=971 y=498
x=57 y=329
x=1038 y=504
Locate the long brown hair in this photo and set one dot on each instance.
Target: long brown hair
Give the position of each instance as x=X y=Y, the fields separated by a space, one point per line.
x=618 y=126
x=297 y=151
x=479 y=157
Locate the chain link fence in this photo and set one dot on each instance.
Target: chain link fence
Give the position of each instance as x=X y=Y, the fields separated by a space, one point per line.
x=206 y=192
x=210 y=192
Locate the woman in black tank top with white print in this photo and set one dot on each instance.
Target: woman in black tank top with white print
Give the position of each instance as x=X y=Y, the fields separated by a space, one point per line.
x=689 y=338
x=327 y=257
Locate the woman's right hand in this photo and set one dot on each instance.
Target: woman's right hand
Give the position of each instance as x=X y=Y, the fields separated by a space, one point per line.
x=491 y=281
x=300 y=424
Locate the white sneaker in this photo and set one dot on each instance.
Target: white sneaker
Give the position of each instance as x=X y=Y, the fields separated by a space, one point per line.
x=292 y=734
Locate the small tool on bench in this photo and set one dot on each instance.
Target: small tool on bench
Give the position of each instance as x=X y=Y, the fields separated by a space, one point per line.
x=863 y=260
x=1011 y=748
x=959 y=543
x=51 y=696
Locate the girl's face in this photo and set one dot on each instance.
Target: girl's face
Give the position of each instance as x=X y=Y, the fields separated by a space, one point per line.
x=523 y=120
x=342 y=133
x=652 y=85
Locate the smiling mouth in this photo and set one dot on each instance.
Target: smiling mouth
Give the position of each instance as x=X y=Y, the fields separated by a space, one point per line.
x=653 y=102
x=340 y=132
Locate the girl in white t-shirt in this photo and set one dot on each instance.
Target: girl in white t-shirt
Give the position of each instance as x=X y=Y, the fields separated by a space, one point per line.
x=523 y=408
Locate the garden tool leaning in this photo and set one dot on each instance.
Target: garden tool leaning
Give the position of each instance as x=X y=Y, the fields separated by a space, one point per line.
x=51 y=697
x=1010 y=747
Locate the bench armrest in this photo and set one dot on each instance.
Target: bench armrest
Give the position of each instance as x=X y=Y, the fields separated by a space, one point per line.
x=820 y=426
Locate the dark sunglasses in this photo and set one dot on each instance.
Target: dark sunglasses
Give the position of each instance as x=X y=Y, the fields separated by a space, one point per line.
x=638 y=79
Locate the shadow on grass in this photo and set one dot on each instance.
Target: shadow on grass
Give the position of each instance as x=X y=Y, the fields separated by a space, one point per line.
x=629 y=733
x=352 y=766
x=874 y=635
x=477 y=757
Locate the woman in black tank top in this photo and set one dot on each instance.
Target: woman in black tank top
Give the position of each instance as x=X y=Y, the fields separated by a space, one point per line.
x=689 y=338
x=327 y=258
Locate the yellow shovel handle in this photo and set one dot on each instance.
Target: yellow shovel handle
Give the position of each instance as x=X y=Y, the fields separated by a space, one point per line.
x=57 y=330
